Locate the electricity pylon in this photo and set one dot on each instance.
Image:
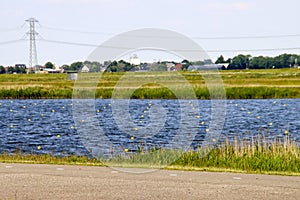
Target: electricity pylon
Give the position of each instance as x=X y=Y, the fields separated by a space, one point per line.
x=32 y=50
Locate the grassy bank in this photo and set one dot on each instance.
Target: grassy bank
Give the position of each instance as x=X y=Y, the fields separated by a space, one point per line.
x=246 y=84
x=48 y=159
x=280 y=157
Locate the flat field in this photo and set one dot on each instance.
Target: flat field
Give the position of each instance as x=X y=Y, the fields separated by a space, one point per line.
x=244 y=84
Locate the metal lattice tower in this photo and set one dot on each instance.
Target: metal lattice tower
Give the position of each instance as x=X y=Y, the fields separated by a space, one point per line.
x=32 y=51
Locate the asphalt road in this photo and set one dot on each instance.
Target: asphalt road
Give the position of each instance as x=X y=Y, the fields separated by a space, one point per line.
x=22 y=181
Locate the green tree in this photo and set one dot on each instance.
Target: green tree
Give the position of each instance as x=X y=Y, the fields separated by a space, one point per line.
x=66 y=67
x=185 y=64
x=240 y=62
x=2 y=70
x=283 y=61
x=11 y=70
x=76 y=66
x=20 y=70
x=261 y=62
x=49 y=65
x=220 y=60
x=93 y=66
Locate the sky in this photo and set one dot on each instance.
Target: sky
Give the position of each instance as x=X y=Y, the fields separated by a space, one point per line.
x=220 y=27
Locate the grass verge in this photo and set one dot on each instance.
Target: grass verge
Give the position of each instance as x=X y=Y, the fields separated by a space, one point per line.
x=279 y=157
x=49 y=159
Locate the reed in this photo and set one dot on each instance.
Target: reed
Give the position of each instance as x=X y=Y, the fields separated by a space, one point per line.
x=281 y=156
x=258 y=155
x=255 y=155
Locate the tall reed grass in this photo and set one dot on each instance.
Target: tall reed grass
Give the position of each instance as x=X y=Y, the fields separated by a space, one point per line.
x=255 y=156
x=258 y=155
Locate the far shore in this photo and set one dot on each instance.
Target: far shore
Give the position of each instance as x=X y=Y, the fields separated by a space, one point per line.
x=231 y=84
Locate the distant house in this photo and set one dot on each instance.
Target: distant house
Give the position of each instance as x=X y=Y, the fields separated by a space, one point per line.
x=208 y=67
x=37 y=68
x=85 y=69
x=170 y=66
x=178 y=67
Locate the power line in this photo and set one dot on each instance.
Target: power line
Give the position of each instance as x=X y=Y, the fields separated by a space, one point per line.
x=68 y=43
x=193 y=37
x=2 y=30
x=77 y=31
x=10 y=42
x=178 y=50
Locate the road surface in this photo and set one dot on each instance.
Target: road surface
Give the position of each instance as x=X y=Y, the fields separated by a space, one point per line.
x=27 y=181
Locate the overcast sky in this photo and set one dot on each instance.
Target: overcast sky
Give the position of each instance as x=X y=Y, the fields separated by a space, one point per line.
x=194 y=18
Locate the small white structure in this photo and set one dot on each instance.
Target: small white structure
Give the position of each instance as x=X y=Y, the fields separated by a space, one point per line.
x=134 y=60
x=72 y=76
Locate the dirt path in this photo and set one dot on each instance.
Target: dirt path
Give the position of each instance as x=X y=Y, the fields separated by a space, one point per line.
x=22 y=181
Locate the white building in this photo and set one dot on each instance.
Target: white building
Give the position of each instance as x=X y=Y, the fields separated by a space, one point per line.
x=134 y=60
x=85 y=69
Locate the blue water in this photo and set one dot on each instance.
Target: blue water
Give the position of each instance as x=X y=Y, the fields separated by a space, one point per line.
x=48 y=126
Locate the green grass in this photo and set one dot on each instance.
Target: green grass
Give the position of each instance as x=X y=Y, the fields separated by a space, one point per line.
x=245 y=84
x=281 y=157
x=48 y=159
x=255 y=156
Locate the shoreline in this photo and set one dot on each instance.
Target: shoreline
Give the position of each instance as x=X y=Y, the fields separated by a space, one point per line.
x=257 y=157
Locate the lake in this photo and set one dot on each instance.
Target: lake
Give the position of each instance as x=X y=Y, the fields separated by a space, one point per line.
x=50 y=126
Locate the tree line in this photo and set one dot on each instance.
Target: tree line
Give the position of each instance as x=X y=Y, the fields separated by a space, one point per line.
x=261 y=62
x=238 y=62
